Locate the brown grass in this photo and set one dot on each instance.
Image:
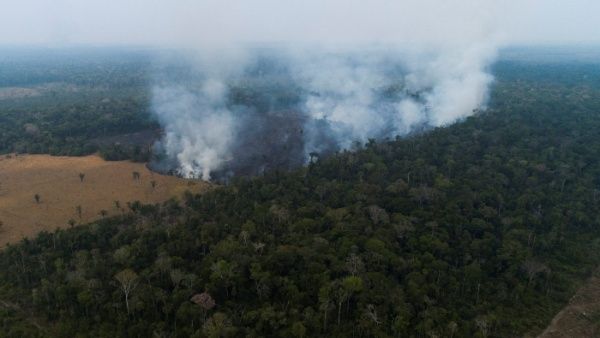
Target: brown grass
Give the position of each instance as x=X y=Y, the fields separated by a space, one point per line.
x=17 y=93
x=56 y=180
x=581 y=317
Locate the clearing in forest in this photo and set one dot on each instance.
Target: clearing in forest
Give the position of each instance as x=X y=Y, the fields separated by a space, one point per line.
x=42 y=192
x=581 y=317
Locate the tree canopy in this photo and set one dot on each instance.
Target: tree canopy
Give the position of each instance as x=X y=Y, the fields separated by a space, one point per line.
x=483 y=229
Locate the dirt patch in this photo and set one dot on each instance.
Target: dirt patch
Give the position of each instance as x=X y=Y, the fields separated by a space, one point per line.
x=56 y=180
x=12 y=93
x=17 y=93
x=581 y=317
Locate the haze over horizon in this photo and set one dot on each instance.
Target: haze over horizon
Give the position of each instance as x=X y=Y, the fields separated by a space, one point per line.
x=380 y=69
x=176 y=24
x=307 y=168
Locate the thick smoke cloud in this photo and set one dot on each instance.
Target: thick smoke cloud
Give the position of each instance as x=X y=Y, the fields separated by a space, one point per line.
x=277 y=106
x=229 y=111
x=189 y=23
x=337 y=71
x=198 y=129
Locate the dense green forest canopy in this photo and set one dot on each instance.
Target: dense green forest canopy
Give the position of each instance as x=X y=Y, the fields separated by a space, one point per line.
x=66 y=102
x=80 y=66
x=483 y=228
x=86 y=100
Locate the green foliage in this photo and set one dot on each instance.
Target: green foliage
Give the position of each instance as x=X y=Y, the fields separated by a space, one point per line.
x=77 y=103
x=483 y=228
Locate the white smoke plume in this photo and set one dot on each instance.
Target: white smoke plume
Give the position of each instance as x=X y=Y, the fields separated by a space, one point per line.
x=337 y=71
x=268 y=106
x=198 y=130
x=198 y=126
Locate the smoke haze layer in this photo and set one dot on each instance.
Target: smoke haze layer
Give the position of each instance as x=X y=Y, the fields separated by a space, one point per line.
x=241 y=112
x=270 y=84
x=245 y=109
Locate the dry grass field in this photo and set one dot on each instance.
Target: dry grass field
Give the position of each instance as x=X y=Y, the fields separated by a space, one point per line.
x=64 y=196
x=581 y=317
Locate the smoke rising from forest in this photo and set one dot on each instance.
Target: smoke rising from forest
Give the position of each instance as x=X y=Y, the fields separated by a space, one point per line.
x=274 y=104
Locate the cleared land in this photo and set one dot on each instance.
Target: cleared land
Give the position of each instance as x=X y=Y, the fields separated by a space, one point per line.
x=581 y=317
x=9 y=93
x=17 y=93
x=64 y=196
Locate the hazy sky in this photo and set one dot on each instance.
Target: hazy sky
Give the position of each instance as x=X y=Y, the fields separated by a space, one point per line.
x=185 y=22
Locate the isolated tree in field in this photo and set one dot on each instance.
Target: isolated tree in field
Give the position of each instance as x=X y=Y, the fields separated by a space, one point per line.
x=135 y=175
x=37 y=198
x=117 y=204
x=153 y=184
x=71 y=222
x=79 y=210
x=103 y=213
x=81 y=177
x=128 y=281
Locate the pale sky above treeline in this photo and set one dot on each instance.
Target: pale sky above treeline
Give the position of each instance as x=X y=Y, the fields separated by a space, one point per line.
x=189 y=22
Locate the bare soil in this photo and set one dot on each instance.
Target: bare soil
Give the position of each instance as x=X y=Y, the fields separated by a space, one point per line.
x=17 y=93
x=11 y=93
x=581 y=317
x=55 y=179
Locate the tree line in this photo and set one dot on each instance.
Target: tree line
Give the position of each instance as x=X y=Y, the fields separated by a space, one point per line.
x=480 y=229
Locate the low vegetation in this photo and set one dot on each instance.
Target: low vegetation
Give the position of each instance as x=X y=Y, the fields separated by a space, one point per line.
x=481 y=229
x=42 y=192
x=81 y=98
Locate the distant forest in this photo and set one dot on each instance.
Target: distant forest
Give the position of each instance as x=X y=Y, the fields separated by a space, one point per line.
x=79 y=102
x=64 y=102
x=481 y=229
